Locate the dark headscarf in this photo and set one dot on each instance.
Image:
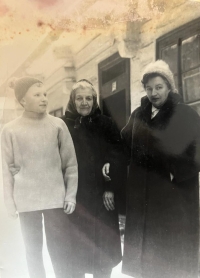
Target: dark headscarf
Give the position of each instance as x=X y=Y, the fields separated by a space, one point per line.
x=83 y=83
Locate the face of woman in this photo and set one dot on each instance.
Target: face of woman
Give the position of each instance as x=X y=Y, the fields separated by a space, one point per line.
x=157 y=91
x=84 y=101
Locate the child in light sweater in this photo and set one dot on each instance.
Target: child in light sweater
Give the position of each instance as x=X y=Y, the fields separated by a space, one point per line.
x=40 y=178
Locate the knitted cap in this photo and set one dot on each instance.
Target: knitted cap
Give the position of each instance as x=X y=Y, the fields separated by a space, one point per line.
x=22 y=85
x=162 y=68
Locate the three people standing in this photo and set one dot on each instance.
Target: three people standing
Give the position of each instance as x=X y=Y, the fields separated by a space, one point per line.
x=162 y=143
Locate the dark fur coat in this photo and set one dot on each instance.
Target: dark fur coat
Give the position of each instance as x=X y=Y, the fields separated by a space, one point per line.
x=162 y=224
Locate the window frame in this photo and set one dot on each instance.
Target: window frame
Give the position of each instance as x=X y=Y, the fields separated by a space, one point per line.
x=176 y=37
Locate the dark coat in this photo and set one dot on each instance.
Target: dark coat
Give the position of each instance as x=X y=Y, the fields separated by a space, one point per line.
x=162 y=224
x=95 y=231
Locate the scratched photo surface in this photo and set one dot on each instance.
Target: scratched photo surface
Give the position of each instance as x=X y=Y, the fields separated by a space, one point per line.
x=109 y=43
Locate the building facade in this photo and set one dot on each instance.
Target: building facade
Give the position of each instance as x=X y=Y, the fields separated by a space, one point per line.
x=113 y=61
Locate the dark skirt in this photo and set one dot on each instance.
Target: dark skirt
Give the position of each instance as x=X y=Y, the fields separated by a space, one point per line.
x=95 y=236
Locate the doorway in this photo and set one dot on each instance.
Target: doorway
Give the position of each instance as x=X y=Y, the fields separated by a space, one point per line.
x=114 y=88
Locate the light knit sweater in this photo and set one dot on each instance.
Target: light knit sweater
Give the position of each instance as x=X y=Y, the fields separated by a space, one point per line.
x=39 y=163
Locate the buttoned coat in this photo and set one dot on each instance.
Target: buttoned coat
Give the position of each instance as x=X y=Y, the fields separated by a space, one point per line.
x=162 y=222
x=95 y=231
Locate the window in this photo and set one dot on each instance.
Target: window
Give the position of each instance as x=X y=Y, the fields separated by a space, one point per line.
x=57 y=112
x=181 y=50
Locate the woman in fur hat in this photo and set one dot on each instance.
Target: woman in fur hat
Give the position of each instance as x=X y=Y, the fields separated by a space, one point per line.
x=94 y=225
x=163 y=141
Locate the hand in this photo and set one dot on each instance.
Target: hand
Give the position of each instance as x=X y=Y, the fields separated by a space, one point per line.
x=108 y=200
x=69 y=207
x=105 y=171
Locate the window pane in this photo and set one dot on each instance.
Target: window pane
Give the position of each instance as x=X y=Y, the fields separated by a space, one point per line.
x=190 y=53
x=191 y=85
x=169 y=55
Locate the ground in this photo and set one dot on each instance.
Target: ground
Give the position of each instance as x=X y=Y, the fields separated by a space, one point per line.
x=12 y=253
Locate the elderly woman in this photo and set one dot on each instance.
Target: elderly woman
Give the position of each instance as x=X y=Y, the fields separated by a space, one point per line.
x=163 y=140
x=95 y=229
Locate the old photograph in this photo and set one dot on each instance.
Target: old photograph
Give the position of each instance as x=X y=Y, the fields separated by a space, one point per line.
x=100 y=138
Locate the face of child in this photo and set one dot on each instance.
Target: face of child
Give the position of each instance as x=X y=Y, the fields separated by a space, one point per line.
x=35 y=99
x=84 y=101
x=157 y=91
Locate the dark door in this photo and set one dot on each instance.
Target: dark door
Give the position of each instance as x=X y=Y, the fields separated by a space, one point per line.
x=114 y=88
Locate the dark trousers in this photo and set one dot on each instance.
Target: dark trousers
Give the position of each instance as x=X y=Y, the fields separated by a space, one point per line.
x=57 y=238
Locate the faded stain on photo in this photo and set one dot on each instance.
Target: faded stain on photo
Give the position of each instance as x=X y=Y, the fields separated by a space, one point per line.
x=108 y=43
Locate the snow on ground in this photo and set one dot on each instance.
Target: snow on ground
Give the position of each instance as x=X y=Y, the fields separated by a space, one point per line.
x=12 y=252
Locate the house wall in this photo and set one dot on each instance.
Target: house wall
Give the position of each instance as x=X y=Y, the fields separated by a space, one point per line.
x=9 y=107
x=175 y=15
x=137 y=42
x=87 y=60
x=60 y=96
x=58 y=86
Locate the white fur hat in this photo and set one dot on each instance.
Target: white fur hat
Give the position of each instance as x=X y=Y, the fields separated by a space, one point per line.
x=162 y=68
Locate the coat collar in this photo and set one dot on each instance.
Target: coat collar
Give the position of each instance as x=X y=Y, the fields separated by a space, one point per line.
x=165 y=111
x=80 y=120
